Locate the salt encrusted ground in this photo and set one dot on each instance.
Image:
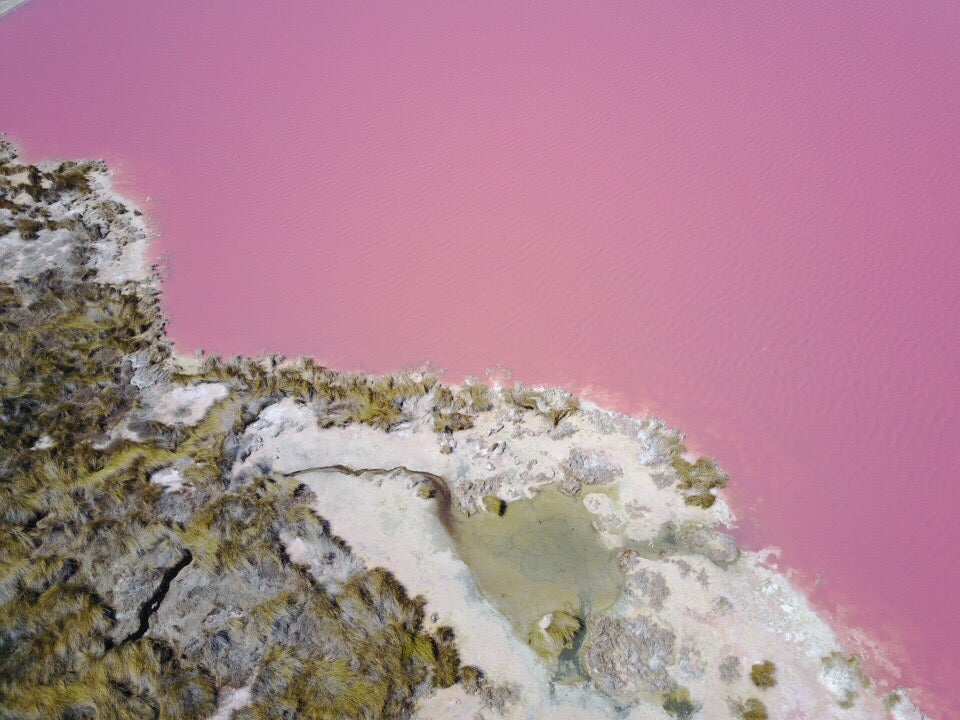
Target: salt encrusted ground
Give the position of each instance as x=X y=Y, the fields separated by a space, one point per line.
x=696 y=614
x=115 y=254
x=710 y=600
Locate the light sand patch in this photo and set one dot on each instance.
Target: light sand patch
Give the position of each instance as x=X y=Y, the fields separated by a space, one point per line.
x=186 y=404
x=231 y=700
x=688 y=585
x=169 y=478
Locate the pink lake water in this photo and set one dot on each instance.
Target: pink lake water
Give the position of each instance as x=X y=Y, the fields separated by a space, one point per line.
x=741 y=216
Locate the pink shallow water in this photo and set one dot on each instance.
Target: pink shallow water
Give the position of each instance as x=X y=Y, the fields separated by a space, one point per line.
x=746 y=219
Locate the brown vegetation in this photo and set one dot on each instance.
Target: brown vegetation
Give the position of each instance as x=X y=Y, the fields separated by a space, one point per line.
x=764 y=675
x=752 y=709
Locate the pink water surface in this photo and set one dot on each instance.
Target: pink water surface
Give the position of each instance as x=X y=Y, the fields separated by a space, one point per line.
x=745 y=217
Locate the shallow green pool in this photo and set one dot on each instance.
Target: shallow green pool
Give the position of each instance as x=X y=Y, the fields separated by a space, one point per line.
x=542 y=555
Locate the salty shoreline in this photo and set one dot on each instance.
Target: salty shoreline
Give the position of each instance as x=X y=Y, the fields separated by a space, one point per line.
x=697 y=610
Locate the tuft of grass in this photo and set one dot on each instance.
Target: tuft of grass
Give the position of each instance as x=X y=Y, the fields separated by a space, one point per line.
x=495 y=505
x=419 y=646
x=523 y=398
x=764 y=674
x=455 y=411
x=471 y=678
x=698 y=479
x=313 y=688
x=752 y=709
x=703 y=500
x=892 y=699
x=28 y=227
x=379 y=402
x=377 y=412
x=849 y=668
x=554 y=405
x=111 y=210
x=679 y=704
x=557 y=413
x=451 y=422
x=554 y=632
x=70 y=177
x=447 y=665
x=476 y=397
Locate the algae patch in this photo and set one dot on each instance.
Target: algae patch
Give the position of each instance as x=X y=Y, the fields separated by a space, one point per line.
x=539 y=557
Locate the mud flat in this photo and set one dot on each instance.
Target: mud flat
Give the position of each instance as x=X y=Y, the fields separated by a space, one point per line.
x=239 y=538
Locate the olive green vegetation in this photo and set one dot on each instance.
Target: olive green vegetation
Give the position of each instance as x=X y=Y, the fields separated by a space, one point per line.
x=118 y=600
x=892 y=699
x=451 y=422
x=495 y=505
x=752 y=709
x=372 y=656
x=554 y=632
x=552 y=410
x=70 y=176
x=61 y=345
x=679 y=704
x=63 y=380
x=28 y=228
x=698 y=479
x=344 y=398
x=41 y=185
x=764 y=675
x=850 y=664
x=454 y=410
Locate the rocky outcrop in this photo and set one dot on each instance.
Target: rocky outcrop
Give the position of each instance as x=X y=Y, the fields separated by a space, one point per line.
x=629 y=659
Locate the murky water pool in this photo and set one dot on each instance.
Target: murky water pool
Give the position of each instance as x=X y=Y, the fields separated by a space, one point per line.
x=542 y=555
